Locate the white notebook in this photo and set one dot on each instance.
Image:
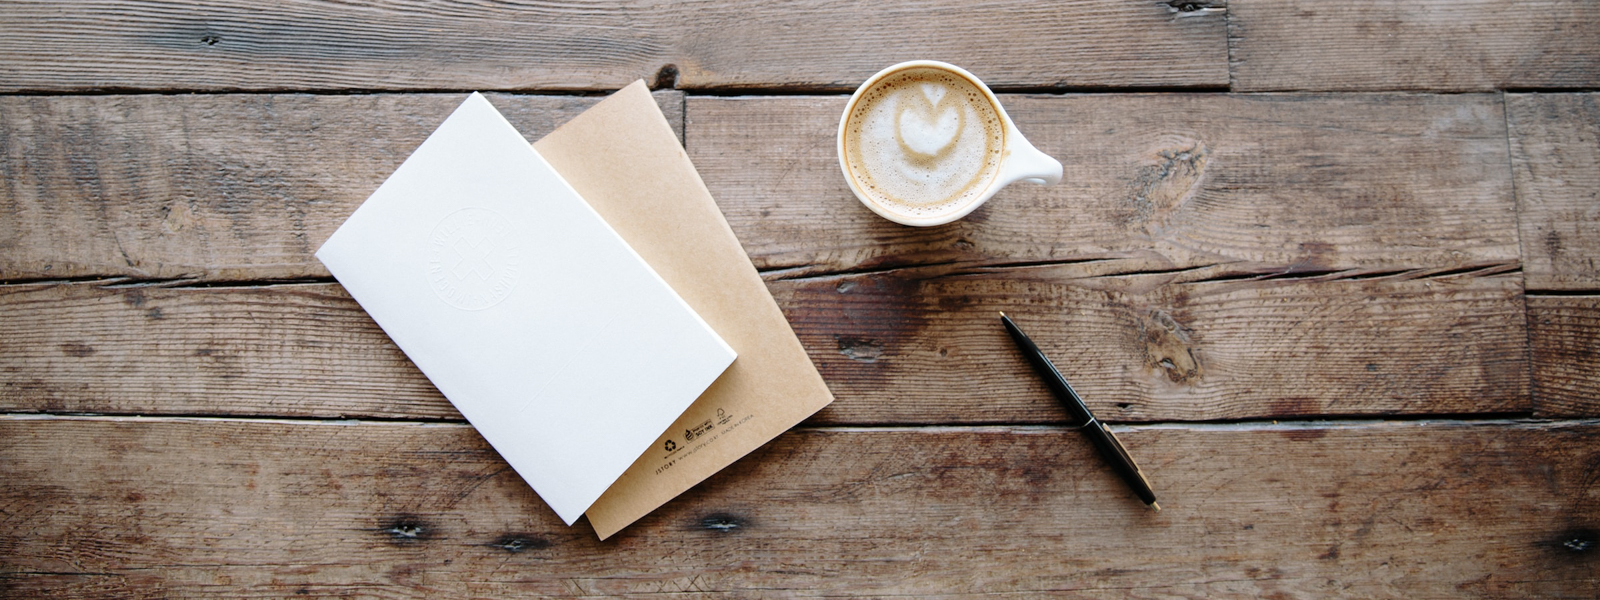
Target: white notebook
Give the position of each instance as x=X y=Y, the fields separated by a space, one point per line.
x=554 y=339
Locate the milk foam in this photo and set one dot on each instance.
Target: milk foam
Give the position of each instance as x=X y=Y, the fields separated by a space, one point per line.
x=923 y=142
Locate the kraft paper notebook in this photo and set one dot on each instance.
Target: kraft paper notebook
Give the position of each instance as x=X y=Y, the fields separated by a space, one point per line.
x=565 y=350
x=623 y=157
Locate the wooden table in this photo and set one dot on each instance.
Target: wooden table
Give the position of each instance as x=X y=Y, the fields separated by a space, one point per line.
x=1331 y=267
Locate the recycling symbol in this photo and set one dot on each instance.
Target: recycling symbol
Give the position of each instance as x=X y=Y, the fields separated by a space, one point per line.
x=671 y=445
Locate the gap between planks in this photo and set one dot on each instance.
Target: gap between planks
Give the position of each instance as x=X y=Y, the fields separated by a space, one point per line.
x=737 y=91
x=742 y=92
x=1211 y=273
x=1337 y=422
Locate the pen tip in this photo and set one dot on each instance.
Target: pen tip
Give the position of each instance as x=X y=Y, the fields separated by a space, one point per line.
x=1156 y=505
x=1002 y=314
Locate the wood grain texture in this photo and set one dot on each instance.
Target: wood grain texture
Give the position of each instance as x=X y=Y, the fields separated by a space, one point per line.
x=1454 y=45
x=1222 y=256
x=1555 y=149
x=909 y=346
x=238 y=187
x=286 y=350
x=413 y=45
x=1253 y=184
x=926 y=346
x=156 y=508
x=1564 y=332
x=245 y=187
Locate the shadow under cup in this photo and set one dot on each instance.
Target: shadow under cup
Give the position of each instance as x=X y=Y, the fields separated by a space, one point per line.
x=922 y=142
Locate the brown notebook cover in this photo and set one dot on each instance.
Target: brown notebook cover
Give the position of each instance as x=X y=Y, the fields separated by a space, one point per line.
x=623 y=158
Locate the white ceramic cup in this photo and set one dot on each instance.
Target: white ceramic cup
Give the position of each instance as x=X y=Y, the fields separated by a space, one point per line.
x=1019 y=160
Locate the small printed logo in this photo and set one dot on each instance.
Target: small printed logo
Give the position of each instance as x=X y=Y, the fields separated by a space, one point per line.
x=691 y=433
x=472 y=259
x=670 y=445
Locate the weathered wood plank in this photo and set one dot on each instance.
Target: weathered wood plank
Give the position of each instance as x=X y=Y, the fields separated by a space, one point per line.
x=411 y=45
x=245 y=187
x=1259 y=183
x=1456 y=45
x=908 y=346
x=1564 y=332
x=289 y=350
x=215 y=187
x=179 y=508
x=1354 y=186
x=927 y=348
x=1555 y=150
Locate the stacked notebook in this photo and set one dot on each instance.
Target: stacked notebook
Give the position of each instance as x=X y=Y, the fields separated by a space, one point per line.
x=582 y=302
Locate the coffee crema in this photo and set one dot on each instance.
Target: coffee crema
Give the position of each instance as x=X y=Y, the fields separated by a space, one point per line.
x=923 y=142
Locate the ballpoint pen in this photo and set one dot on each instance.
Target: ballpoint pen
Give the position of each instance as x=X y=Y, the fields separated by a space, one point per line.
x=1107 y=442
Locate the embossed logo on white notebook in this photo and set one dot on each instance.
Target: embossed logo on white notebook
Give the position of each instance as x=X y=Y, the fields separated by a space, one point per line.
x=472 y=259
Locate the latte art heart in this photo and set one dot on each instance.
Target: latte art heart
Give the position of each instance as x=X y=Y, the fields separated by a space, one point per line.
x=923 y=141
x=927 y=130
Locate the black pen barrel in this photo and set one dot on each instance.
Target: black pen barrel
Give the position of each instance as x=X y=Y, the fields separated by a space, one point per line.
x=1047 y=371
x=1111 y=449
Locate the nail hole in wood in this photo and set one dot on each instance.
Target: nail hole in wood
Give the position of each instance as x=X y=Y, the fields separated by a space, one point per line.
x=721 y=522
x=520 y=542
x=1578 y=542
x=407 y=529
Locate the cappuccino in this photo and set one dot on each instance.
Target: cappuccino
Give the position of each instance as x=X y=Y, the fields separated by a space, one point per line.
x=923 y=142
